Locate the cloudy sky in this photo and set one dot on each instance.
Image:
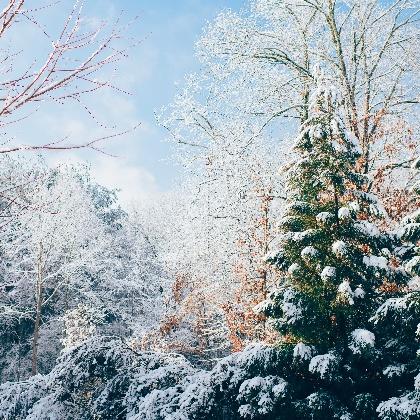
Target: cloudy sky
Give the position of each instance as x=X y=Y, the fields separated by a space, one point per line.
x=155 y=70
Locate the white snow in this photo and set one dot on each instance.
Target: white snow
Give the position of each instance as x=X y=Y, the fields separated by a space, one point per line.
x=359 y=293
x=367 y=228
x=279 y=389
x=376 y=262
x=361 y=340
x=335 y=128
x=392 y=305
x=411 y=218
x=339 y=248
x=293 y=269
x=414 y=262
x=353 y=141
x=345 y=293
x=292 y=311
x=414 y=284
x=344 y=213
x=302 y=351
x=260 y=394
x=417 y=382
x=405 y=407
x=300 y=236
x=337 y=146
x=316 y=131
x=354 y=206
x=309 y=252
x=323 y=365
x=324 y=217
x=328 y=273
x=261 y=307
x=394 y=370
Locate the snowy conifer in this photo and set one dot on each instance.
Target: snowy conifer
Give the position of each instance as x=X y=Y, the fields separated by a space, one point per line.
x=398 y=319
x=337 y=268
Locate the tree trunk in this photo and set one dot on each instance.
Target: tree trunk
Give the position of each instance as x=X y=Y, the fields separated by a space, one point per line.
x=266 y=239
x=38 y=309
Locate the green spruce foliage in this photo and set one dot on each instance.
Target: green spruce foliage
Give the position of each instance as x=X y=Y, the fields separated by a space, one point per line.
x=398 y=321
x=337 y=268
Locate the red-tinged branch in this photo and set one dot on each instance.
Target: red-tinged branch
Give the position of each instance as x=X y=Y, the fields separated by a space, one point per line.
x=58 y=144
x=62 y=76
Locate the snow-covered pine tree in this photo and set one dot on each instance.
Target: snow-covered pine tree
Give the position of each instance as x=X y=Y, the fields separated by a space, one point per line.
x=398 y=320
x=337 y=268
x=410 y=230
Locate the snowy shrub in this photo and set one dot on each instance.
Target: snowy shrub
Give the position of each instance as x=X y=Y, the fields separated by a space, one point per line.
x=17 y=399
x=105 y=378
x=259 y=395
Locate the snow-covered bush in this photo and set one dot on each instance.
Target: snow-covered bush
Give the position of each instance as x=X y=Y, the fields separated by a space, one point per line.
x=104 y=378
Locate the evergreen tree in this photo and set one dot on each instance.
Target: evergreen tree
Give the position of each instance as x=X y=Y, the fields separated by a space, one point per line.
x=337 y=268
x=410 y=231
x=398 y=319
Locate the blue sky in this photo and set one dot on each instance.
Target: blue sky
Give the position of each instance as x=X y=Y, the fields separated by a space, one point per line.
x=168 y=30
x=171 y=29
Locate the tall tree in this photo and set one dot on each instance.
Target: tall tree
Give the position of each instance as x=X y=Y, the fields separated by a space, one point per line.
x=402 y=314
x=337 y=268
x=369 y=49
x=258 y=68
x=48 y=249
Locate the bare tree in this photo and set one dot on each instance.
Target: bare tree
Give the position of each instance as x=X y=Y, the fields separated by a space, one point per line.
x=72 y=69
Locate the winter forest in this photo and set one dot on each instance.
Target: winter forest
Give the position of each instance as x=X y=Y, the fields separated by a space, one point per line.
x=279 y=280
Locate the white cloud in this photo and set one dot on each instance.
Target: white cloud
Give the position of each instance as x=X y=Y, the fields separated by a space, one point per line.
x=135 y=182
